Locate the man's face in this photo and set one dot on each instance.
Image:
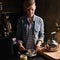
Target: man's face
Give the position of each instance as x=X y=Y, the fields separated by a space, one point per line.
x=31 y=10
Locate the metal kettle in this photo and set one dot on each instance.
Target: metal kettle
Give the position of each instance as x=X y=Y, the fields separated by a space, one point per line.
x=51 y=45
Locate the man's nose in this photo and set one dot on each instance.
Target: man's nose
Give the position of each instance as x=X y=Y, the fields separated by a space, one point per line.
x=30 y=11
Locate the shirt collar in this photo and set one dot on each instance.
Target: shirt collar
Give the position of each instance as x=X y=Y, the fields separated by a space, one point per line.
x=33 y=18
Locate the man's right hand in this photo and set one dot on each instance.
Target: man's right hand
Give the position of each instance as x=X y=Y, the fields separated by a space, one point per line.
x=21 y=47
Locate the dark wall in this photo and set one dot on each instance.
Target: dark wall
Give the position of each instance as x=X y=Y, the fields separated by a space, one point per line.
x=49 y=10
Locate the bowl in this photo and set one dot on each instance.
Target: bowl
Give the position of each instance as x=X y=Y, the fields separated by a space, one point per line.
x=31 y=53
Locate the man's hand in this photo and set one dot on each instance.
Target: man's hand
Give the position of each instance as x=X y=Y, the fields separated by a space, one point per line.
x=21 y=47
x=40 y=49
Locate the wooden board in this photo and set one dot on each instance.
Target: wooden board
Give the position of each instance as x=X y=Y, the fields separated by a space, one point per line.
x=51 y=55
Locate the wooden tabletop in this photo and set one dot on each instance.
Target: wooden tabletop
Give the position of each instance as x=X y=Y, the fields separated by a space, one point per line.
x=52 y=55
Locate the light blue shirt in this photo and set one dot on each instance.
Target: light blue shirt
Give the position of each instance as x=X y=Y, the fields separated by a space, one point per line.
x=38 y=29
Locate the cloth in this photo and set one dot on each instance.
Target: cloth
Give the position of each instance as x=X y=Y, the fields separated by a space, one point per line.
x=37 y=29
x=30 y=43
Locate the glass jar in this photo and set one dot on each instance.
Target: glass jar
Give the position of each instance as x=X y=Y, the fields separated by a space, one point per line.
x=23 y=57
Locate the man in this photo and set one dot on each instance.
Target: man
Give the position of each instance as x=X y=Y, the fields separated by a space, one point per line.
x=30 y=28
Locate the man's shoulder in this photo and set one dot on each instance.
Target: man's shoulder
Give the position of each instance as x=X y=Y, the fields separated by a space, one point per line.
x=22 y=17
x=38 y=18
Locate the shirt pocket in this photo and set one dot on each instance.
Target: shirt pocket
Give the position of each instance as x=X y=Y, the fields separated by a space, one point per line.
x=37 y=27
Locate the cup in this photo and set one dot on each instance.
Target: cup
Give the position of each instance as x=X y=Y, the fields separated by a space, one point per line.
x=23 y=57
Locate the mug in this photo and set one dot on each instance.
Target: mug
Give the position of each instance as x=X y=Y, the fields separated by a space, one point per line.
x=23 y=57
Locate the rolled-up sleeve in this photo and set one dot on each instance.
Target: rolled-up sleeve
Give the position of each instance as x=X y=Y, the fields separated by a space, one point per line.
x=41 y=32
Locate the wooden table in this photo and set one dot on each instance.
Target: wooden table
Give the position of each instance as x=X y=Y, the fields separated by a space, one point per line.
x=51 y=55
